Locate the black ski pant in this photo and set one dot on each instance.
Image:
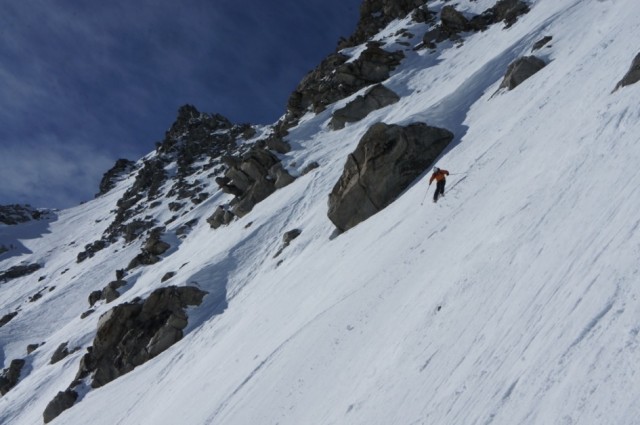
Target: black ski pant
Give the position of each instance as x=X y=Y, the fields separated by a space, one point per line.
x=439 y=189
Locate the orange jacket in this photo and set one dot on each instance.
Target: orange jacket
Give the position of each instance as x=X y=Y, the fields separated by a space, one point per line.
x=438 y=176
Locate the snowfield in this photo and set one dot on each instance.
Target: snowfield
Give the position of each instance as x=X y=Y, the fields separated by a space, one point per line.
x=513 y=300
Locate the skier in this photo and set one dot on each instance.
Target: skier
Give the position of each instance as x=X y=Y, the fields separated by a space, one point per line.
x=439 y=176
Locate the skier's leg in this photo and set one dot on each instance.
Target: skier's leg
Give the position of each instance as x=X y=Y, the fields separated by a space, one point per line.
x=440 y=188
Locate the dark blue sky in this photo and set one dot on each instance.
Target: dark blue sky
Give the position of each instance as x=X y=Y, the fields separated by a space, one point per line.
x=85 y=83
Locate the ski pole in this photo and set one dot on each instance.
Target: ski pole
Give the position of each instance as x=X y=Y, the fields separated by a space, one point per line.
x=425 y=194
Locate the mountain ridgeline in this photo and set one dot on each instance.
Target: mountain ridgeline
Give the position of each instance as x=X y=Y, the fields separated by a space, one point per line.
x=174 y=238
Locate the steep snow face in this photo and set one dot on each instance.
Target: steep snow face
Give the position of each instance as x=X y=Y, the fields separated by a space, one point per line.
x=514 y=299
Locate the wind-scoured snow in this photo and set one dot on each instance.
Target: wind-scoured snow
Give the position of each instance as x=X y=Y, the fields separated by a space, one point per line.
x=513 y=300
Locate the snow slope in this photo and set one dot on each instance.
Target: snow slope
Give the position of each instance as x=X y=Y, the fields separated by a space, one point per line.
x=513 y=300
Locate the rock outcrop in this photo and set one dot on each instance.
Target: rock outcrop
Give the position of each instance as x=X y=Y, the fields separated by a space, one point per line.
x=150 y=252
x=336 y=79
x=11 y=375
x=220 y=217
x=376 y=97
x=251 y=178
x=632 y=76
x=116 y=173
x=132 y=333
x=452 y=22
x=129 y=335
x=19 y=271
x=16 y=214
x=109 y=293
x=387 y=159
x=376 y=14
x=520 y=70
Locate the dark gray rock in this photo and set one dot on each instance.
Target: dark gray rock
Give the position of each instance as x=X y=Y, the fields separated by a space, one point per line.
x=167 y=276
x=7 y=318
x=19 y=271
x=186 y=228
x=175 y=206
x=91 y=249
x=35 y=297
x=143 y=259
x=221 y=217
x=61 y=402
x=116 y=173
x=508 y=11
x=11 y=375
x=94 y=297
x=87 y=313
x=154 y=245
x=16 y=214
x=520 y=70
x=452 y=21
x=132 y=333
x=290 y=236
x=278 y=144
x=309 y=167
x=335 y=79
x=61 y=352
x=110 y=292
x=632 y=76
x=422 y=14
x=387 y=159
x=376 y=97
x=541 y=43
x=376 y=14
x=280 y=176
x=451 y=24
x=33 y=347
x=252 y=178
x=120 y=274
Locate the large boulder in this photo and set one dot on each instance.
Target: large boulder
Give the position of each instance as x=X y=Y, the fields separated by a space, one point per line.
x=632 y=76
x=376 y=97
x=387 y=159
x=520 y=70
x=132 y=333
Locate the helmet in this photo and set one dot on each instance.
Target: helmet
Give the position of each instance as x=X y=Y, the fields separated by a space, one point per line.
x=436 y=169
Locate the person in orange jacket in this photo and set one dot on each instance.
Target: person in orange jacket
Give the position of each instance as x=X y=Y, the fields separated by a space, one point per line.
x=439 y=176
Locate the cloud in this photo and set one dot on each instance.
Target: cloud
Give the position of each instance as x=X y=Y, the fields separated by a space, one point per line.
x=47 y=173
x=105 y=79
